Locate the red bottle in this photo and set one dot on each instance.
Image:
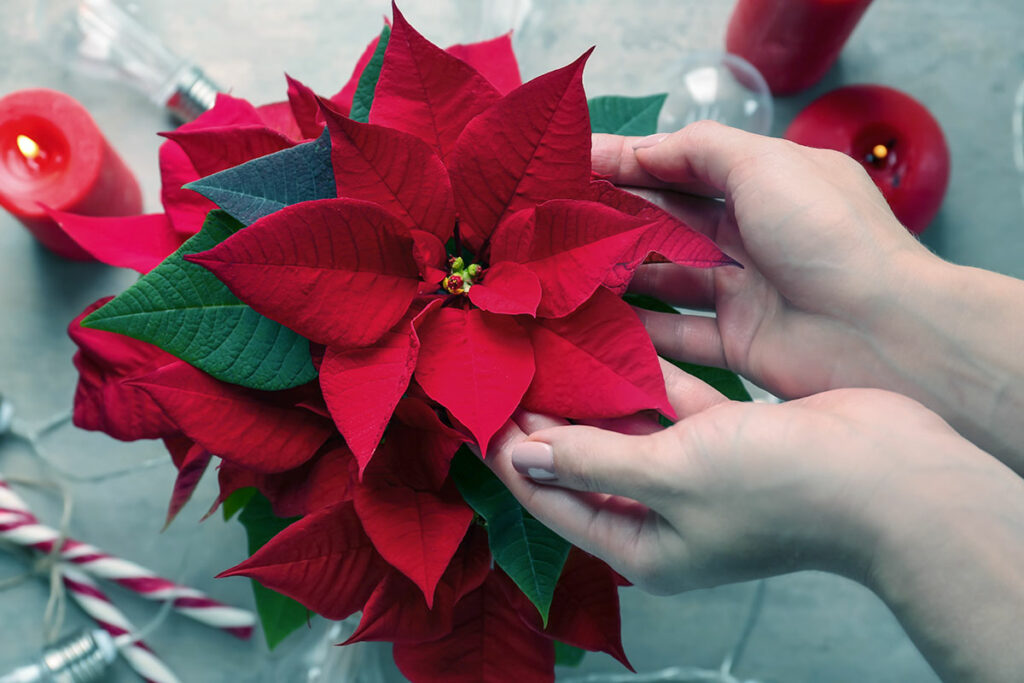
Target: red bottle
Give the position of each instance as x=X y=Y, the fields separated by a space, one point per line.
x=53 y=155
x=793 y=43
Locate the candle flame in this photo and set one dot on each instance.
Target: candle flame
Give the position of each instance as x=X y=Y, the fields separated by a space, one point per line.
x=880 y=151
x=28 y=147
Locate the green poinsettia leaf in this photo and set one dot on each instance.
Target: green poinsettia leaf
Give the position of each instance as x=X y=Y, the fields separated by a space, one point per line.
x=236 y=501
x=728 y=383
x=279 y=615
x=182 y=308
x=367 y=86
x=269 y=183
x=568 y=655
x=531 y=554
x=625 y=115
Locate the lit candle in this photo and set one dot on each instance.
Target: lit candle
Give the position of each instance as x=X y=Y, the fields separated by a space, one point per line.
x=52 y=155
x=899 y=143
x=793 y=43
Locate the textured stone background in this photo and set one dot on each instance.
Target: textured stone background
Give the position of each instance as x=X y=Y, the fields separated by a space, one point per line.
x=964 y=61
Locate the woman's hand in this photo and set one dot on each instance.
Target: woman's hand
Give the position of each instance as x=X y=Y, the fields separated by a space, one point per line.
x=834 y=292
x=822 y=255
x=734 y=490
x=861 y=482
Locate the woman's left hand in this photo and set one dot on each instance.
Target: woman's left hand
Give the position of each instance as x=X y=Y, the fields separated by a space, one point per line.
x=736 y=491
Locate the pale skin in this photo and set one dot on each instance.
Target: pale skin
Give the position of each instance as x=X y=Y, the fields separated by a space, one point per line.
x=894 y=462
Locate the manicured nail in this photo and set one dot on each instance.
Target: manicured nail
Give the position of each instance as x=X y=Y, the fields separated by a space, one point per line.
x=535 y=460
x=649 y=141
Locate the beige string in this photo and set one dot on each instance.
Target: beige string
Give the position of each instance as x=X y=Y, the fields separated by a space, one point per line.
x=49 y=564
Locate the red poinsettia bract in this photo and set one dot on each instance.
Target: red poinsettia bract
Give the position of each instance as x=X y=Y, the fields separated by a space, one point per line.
x=470 y=264
x=514 y=311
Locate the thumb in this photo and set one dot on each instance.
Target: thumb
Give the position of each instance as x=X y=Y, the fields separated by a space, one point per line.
x=700 y=157
x=590 y=459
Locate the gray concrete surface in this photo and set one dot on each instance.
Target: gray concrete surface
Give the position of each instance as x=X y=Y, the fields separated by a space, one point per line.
x=962 y=60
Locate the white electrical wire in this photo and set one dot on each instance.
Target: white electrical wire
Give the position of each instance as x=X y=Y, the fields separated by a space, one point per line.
x=690 y=674
x=1017 y=124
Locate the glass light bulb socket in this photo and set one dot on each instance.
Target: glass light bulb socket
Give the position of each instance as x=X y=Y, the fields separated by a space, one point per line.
x=82 y=657
x=191 y=94
x=99 y=39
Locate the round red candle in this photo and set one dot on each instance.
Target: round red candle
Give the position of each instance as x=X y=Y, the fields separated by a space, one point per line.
x=52 y=154
x=892 y=135
x=793 y=43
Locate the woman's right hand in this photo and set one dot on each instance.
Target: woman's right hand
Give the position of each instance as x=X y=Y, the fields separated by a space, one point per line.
x=822 y=255
x=833 y=293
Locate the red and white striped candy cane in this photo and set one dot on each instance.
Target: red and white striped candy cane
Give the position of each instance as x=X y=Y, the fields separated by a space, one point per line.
x=10 y=501
x=84 y=591
x=19 y=526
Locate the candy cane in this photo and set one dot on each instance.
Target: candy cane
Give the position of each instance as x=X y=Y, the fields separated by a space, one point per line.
x=84 y=591
x=19 y=526
x=9 y=500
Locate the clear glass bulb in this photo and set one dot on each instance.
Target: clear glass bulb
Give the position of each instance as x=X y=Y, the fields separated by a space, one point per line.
x=99 y=39
x=1018 y=135
x=717 y=86
x=501 y=17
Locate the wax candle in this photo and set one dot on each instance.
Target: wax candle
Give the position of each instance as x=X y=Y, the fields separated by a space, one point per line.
x=793 y=43
x=53 y=155
x=897 y=140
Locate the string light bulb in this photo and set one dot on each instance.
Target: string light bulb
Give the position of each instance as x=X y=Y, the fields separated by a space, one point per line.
x=99 y=39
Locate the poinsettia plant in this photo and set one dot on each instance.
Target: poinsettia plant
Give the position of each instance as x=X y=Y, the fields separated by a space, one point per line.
x=342 y=294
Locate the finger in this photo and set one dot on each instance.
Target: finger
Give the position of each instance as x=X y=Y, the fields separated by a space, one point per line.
x=607 y=526
x=703 y=214
x=689 y=338
x=704 y=153
x=710 y=217
x=612 y=157
x=616 y=158
x=532 y=422
x=683 y=285
x=641 y=423
x=687 y=394
x=588 y=459
x=676 y=285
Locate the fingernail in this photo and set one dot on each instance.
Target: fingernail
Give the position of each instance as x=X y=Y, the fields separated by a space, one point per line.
x=535 y=460
x=649 y=141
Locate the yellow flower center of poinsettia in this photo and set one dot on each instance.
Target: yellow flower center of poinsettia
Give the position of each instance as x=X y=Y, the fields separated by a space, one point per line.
x=460 y=276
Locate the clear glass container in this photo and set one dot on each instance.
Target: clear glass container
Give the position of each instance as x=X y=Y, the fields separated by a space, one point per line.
x=716 y=86
x=678 y=56
x=314 y=656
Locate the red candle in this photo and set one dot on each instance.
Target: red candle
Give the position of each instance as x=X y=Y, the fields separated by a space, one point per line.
x=899 y=143
x=53 y=155
x=793 y=43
